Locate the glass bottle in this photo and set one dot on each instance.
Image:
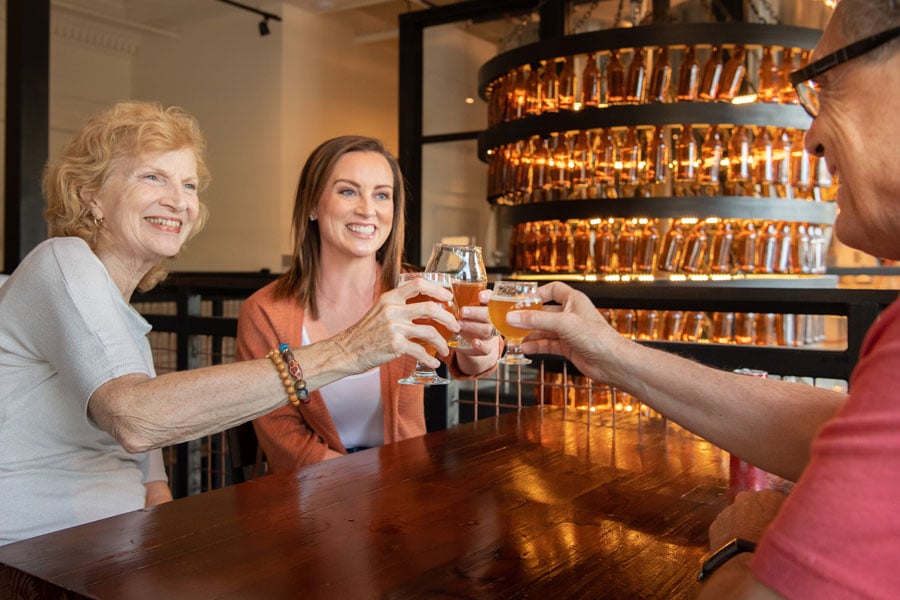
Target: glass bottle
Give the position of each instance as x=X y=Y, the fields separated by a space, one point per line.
x=636 y=80
x=533 y=92
x=781 y=156
x=767 y=250
x=567 y=84
x=615 y=79
x=802 y=167
x=745 y=247
x=515 y=247
x=604 y=248
x=711 y=153
x=540 y=164
x=745 y=328
x=516 y=106
x=670 y=252
x=695 y=250
x=521 y=159
x=626 y=245
x=767 y=81
x=712 y=75
x=581 y=247
x=625 y=322
x=563 y=248
x=764 y=330
x=801 y=249
x=672 y=325
x=546 y=247
x=647 y=246
x=530 y=248
x=686 y=162
x=763 y=164
x=605 y=163
x=581 y=172
x=786 y=92
x=688 y=76
x=733 y=75
x=738 y=181
x=648 y=324
x=629 y=175
x=591 y=82
x=560 y=154
x=785 y=243
x=720 y=249
x=661 y=77
x=658 y=159
x=722 y=327
x=497 y=99
x=549 y=87
x=695 y=325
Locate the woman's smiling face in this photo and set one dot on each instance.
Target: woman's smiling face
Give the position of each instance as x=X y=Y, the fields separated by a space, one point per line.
x=149 y=204
x=356 y=210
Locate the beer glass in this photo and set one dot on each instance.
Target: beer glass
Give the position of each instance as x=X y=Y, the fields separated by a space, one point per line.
x=507 y=296
x=424 y=375
x=465 y=265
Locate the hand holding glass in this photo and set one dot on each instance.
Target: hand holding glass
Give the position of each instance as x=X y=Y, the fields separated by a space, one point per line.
x=465 y=265
x=424 y=375
x=507 y=296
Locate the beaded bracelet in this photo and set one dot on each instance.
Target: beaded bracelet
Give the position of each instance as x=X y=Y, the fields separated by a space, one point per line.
x=290 y=373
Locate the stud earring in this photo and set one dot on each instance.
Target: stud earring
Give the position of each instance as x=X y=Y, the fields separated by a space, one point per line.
x=312 y=217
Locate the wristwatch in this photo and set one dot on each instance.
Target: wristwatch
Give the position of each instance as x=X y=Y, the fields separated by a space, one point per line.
x=723 y=554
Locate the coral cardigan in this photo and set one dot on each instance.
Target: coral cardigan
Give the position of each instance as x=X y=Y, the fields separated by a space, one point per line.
x=291 y=437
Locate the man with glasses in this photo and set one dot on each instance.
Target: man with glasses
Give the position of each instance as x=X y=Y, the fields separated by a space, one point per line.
x=837 y=535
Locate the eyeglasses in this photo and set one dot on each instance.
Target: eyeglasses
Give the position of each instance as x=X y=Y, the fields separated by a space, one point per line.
x=804 y=80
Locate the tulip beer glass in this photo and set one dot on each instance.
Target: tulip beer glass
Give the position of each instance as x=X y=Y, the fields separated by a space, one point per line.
x=424 y=375
x=507 y=296
x=465 y=265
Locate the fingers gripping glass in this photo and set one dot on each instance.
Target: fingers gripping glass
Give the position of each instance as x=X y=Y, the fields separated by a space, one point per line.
x=804 y=80
x=424 y=375
x=507 y=296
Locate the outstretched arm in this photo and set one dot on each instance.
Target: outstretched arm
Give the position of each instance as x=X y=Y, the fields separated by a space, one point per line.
x=144 y=413
x=766 y=422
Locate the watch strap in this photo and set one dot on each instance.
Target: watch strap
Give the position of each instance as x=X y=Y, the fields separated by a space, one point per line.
x=723 y=555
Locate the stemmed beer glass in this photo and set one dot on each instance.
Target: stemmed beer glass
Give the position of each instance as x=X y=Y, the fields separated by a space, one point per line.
x=507 y=296
x=465 y=265
x=424 y=375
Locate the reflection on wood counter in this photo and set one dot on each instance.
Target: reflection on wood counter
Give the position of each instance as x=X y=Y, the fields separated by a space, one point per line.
x=534 y=504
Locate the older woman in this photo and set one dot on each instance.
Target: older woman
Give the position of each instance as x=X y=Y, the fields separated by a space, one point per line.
x=81 y=408
x=348 y=236
x=837 y=535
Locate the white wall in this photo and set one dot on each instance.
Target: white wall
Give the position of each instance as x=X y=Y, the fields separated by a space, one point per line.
x=264 y=103
x=454 y=181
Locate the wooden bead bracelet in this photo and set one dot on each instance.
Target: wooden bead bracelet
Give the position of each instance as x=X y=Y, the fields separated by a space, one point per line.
x=290 y=373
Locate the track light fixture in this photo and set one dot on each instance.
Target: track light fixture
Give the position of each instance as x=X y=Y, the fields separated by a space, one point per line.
x=264 y=24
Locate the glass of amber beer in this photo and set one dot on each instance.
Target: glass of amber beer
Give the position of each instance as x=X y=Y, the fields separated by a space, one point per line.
x=465 y=265
x=424 y=375
x=507 y=296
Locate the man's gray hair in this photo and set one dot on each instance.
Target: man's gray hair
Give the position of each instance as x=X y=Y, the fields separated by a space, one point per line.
x=863 y=18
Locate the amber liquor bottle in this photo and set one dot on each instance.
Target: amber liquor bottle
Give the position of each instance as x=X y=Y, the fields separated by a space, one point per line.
x=712 y=75
x=733 y=75
x=615 y=79
x=636 y=79
x=567 y=84
x=661 y=78
x=688 y=76
x=591 y=82
x=711 y=153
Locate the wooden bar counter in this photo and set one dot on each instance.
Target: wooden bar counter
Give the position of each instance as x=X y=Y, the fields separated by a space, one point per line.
x=532 y=504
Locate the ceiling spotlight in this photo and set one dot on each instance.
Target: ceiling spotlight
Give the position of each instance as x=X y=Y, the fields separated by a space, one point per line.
x=264 y=27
